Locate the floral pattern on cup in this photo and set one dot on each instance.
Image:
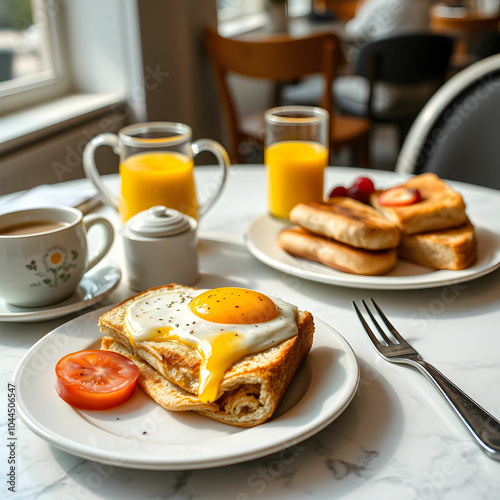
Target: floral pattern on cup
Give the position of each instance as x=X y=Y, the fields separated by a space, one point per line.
x=55 y=268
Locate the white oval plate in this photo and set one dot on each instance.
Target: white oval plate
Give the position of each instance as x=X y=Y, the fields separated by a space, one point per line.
x=95 y=286
x=140 y=434
x=262 y=241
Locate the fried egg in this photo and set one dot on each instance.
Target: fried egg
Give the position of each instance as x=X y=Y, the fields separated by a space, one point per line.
x=222 y=324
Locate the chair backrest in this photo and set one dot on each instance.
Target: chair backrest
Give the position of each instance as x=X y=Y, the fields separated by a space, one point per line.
x=278 y=58
x=457 y=133
x=488 y=44
x=405 y=59
x=344 y=9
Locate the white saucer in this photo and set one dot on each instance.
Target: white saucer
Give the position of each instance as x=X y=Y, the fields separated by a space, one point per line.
x=140 y=434
x=95 y=285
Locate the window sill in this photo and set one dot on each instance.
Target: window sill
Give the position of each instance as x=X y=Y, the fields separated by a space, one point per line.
x=33 y=124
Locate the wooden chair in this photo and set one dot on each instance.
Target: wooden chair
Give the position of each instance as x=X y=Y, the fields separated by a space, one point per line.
x=281 y=58
x=343 y=9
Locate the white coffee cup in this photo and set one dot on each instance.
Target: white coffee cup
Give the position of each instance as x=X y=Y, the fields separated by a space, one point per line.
x=44 y=253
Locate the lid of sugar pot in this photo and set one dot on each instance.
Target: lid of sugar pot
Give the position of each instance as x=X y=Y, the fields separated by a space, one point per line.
x=159 y=222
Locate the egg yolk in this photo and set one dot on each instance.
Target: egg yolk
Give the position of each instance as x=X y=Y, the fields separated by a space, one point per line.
x=229 y=305
x=218 y=353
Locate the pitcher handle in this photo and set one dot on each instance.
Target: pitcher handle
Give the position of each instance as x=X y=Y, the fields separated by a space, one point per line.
x=222 y=160
x=90 y=167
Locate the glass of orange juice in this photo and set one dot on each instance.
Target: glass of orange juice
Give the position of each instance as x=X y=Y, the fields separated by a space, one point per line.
x=295 y=155
x=156 y=168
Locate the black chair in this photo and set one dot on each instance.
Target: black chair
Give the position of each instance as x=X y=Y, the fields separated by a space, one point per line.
x=394 y=77
x=457 y=134
x=488 y=44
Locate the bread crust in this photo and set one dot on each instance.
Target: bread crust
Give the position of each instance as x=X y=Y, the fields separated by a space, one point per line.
x=440 y=206
x=348 y=221
x=301 y=243
x=249 y=392
x=453 y=249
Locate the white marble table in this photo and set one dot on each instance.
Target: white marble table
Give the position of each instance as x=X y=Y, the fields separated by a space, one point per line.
x=397 y=439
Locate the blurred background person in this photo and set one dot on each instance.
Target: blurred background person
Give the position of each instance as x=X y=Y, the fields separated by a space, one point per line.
x=376 y=19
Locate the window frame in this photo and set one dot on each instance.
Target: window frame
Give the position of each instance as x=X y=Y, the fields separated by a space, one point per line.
x=30 y=90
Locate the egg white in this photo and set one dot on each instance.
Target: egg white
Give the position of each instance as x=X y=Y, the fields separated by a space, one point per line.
x=170 y=308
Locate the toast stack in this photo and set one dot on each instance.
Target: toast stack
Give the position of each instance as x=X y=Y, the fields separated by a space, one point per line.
x=435 y=231
x=343 y=234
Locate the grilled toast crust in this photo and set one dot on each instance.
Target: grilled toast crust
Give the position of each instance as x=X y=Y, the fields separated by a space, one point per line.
x=348 y=221
x=440 y=206
x=248 y=394
x=301 y=243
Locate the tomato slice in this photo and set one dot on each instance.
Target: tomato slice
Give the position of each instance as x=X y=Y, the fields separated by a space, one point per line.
x=399 y=196
x=95 y=380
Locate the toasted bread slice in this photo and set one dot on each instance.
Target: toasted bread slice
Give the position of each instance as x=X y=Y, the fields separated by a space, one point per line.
x=450 y=249
x=249 y=392
x=440 y=206
x=301 y=243
x=348 y=221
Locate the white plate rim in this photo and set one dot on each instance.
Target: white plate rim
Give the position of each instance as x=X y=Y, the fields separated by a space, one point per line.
x=270 y=437
x=107 y=276
x=265 y=228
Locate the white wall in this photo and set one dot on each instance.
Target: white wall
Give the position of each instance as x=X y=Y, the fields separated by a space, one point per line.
x=173 y=52
x=105 y=52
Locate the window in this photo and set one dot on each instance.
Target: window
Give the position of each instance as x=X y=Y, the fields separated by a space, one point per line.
x=31 y=66
x=233 y=9
x=236 y=16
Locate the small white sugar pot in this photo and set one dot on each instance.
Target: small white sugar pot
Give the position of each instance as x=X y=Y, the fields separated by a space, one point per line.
x=160 y=246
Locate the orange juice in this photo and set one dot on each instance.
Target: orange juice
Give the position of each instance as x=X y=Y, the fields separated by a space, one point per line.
x=295 y=173
x=159 y=178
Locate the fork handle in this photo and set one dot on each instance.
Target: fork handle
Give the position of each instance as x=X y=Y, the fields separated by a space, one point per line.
x=484 y=427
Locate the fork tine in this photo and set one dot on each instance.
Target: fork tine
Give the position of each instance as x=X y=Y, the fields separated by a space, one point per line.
x=376 y=342
x=379 y=328
x=389 y=325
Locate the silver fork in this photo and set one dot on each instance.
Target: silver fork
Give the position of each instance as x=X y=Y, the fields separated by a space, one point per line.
x=484 y=427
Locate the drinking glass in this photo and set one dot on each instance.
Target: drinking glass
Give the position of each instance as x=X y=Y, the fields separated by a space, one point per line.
x=295 y=155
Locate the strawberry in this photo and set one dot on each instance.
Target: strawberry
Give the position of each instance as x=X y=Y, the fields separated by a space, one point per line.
x=399 y=196
x=338 y=191
x=365 y=185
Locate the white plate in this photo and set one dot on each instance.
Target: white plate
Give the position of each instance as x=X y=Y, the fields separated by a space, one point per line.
x=95 y=285
x=262 y=241
x=140 y=434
